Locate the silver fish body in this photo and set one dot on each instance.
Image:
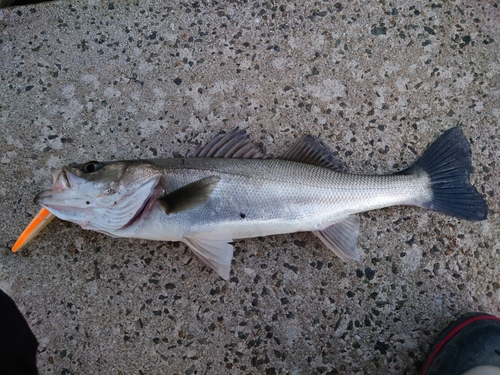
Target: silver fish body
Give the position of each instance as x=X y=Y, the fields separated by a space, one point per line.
x=260 y=197
x=230 y=190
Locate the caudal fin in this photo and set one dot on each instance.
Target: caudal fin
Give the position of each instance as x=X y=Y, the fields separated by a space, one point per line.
x=447 y=162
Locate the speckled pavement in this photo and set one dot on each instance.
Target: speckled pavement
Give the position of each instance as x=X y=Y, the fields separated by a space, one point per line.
x=376 y=81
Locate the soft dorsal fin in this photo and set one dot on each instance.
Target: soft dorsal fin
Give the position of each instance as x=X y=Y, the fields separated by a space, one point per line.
x=311 y=150
x=189 y=196
x=235 y=144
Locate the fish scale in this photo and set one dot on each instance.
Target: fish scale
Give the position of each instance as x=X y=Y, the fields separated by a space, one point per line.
x=318 y=196
x=229 y=190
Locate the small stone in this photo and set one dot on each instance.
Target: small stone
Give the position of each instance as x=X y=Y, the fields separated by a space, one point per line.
x=369 y=273
x=430 y=30
x=379 y=31
x=169 y=286
x=381 y=347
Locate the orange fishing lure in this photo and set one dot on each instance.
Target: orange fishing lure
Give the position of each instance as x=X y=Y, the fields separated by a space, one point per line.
x=40 y=221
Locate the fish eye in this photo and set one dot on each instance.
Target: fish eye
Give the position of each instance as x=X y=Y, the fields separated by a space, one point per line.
x=90 y=167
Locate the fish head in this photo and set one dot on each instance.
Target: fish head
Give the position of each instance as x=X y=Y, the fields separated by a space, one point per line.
x=101 y=196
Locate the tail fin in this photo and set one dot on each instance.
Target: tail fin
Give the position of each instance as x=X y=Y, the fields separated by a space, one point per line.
x=447 y=162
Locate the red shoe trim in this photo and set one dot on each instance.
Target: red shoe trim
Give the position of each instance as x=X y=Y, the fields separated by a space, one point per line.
x=452 y=333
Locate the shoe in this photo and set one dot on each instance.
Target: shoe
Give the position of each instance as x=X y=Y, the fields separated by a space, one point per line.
x=17 y=343
x=471 y=343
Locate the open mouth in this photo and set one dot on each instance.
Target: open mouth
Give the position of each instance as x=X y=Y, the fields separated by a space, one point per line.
x=64 y=179
x=63 y=183
x=60 y=181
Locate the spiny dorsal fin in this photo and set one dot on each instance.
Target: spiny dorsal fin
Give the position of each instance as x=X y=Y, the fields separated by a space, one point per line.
x=235 y=144
x=188 y=196
x=311 y=150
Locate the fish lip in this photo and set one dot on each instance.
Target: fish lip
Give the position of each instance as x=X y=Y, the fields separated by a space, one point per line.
x=46 y=195
x=55 y=175
x=73 y=180
x=61 y=180
x=37 y=198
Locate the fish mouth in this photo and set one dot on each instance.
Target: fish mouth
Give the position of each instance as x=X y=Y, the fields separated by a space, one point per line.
x=59 y=179
x=62 y=181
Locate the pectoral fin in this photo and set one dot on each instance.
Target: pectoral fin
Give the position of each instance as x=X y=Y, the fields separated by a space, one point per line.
x=189 y=196
x=214 y=250
x=341 y=238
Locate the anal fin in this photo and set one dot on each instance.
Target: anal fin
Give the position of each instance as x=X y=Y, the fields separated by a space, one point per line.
x=214 y=250
x=189 y=196
x=341 y=238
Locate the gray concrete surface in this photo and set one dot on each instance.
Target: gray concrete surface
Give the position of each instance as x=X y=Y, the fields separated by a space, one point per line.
x=377 y=81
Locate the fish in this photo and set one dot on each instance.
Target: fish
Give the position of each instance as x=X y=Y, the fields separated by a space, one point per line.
x=229 y=189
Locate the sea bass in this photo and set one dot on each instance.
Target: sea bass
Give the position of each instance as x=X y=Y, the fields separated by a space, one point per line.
x=229 y=189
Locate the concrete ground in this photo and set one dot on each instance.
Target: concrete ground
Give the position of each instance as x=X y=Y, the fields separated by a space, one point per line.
x=376 y=81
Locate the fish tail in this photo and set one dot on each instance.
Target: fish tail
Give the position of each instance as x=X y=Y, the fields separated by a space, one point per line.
x=448 y=165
